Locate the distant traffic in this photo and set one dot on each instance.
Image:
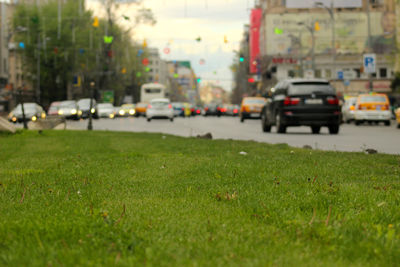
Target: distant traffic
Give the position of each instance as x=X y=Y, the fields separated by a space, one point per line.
x=293 y=102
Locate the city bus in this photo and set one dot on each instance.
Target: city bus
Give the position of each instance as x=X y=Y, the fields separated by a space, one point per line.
x=150 y=91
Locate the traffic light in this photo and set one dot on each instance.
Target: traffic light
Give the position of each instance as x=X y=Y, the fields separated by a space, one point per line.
x=251 y=80
x=198 y=80
x=241 y=58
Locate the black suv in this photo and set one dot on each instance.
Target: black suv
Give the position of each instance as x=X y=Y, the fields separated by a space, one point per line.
x=301 y=102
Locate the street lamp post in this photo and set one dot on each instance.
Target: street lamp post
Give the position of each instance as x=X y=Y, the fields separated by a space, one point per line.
x=312 y=31
x=370 y=82
x=90 y=124
x=331 y=11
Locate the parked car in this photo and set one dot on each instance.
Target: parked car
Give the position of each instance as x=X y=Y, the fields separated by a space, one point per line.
x=348 y=109
x=69 y=110
x=212 y=109
x=53 y=109
x=251 y=108
x=302 y=102
x=179 y=109
x=373 y=108
x=160 y=108
x=398 y=117
x=141 y=109
x=106 y=110
x=84 y=107
x=32 y=113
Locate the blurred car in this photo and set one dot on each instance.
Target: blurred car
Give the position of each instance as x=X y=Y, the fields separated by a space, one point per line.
x=232 y=110
x=69 y=110
x=84 y=107
x=212 y=109
x=372 y=107
x=397 y=112
x=198 y=110
x=224 y=109
x=32 y=112
x=106 y=110
x=53 y=109
x=179 y=109
x=251 y=108
x=160 y=108
x=141 y=109
x=348 y=109
x=129 y=109
x=119 y=112
x=302 y=102
x=187 y=109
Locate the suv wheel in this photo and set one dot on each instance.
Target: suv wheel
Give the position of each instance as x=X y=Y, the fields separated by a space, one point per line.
x=387 y=123
x=241 y=118
x=315 y=129
x=148 y=119
x=333 y=129
x=264 y=124
x=280 y=128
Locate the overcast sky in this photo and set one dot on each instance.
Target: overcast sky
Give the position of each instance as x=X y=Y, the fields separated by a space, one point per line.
x=180 y=22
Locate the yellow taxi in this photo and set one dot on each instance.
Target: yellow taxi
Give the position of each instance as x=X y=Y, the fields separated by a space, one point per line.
x=187 y=112
x=398 y=117
x=251 y=108
x=141 y=109
x=373 y=107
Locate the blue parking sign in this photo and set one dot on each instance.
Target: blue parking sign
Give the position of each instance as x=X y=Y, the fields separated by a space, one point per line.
x=369 y=63
x=340 y=75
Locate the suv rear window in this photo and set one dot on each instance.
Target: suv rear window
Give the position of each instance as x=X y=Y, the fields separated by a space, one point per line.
x=254 y=101
x=375 y=98
x=304 y=88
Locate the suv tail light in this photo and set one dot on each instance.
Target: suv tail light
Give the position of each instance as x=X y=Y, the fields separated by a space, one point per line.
x=291 y=101
x=149 y=106
x=169 y=106
x=332 y=100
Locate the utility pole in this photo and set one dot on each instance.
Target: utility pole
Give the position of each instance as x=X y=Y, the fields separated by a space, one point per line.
x=312 y=31
x=331 y=11
x=38 y=71
x=371 y=87
x=90 y=124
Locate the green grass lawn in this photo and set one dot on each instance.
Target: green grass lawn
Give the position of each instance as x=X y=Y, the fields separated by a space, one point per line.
x=103 y=198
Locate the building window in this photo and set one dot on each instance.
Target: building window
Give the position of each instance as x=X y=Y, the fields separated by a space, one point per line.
x=328 y=74
x=383 y=73
x=317 y=73
x=373 y=75
x=358 y=72
x=291 y=73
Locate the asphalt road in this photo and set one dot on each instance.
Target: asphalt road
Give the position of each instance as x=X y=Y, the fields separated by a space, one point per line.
x=351 y=138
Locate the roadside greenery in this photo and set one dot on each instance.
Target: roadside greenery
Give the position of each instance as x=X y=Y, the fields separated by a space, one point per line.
x=71 y=49
x=102 y=198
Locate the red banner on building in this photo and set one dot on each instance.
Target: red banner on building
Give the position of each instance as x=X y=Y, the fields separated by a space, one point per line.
x=255 y=23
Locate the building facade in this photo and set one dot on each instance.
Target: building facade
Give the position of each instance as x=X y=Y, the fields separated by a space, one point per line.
x=158 y=68
x=183 y=80
x=327 y=39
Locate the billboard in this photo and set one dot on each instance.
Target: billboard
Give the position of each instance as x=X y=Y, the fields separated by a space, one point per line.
x=312 y=3
x=255 y=23
x=286 y=37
